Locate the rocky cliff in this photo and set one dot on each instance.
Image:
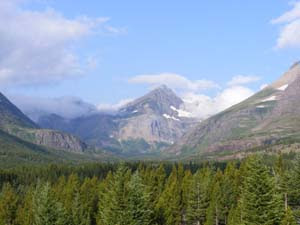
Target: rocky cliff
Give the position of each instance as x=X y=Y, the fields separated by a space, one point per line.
x=59 y=140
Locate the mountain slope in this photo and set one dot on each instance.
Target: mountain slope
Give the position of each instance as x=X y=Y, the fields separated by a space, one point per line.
x=145 y=125
x=15 y=151
x=265 y=118
x=14 y=122
x=11 y=115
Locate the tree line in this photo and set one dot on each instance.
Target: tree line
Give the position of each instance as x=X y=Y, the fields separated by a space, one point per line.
x=246 y=193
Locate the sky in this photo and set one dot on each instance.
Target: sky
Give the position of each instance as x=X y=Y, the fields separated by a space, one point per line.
x=106 y=53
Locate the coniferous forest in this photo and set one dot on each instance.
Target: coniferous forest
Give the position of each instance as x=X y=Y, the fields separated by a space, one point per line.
x=253 y=191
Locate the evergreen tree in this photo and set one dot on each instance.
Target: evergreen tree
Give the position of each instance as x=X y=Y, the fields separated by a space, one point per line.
x=170 y=202
x=288 y=218
x=79 y=216
x=46 y=209
x=89 y=198
x=25 y=210
x=113 y=202
x=8 y=205
x=198 y=199
x=186 y=184
x=234 y=216
x=156 y=188
x=260 y=204
x=229 y=190
x=215 y=209
x=139 y=208
x=292 y=185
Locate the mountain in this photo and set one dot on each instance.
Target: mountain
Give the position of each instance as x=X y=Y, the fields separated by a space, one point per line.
x=146 y=125
x=269 y=117
x=11 y=115
x=15 y=151
x=14 y=122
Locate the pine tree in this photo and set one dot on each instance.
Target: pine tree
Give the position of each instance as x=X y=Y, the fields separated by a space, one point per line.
x=70 y=190
x=234 y=216
x=186 y=184
x=8 y=205
x=229 y=190
x=113 y=202
x=25 y=213
x=292 y=185
x=89 y=198
x=288 y=218
x=198 y=200
x=170 y=202
x=139 y=208
x=156 y=188
x=260 y=204
x=47 y=211
x=215 y=210
x=79 y=216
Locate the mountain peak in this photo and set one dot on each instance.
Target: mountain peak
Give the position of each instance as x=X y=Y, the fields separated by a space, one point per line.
x=162 y=90
x=289 y=77
x=159 y=100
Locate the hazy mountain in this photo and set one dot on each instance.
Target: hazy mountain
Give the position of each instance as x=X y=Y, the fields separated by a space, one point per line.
x=14 y=122
x=11 y=115
x=142 y=126
x=270 y=116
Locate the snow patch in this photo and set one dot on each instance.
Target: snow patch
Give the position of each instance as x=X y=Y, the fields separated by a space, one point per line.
x=272 y=98
x=283 y=87
x=135 y=111
x=261 y=106
x=170 y=117
x=181 y=113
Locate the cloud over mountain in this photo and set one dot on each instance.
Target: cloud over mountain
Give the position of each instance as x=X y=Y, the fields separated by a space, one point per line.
x=174 y=81
x=68 y=107
x=202 y=105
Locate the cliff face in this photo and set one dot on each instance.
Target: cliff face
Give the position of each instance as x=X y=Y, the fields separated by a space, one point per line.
x=59 y=140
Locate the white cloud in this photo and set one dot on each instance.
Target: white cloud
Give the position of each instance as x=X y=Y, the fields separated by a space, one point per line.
x=203 y=106
x=174 y=81
x=241 y=80
x=113 y=107
x=289 y=35
x=290 y=15
x=67 y=107
x=37 y=47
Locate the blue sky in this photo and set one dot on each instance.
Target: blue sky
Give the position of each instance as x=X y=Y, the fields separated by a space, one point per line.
x=112 y=42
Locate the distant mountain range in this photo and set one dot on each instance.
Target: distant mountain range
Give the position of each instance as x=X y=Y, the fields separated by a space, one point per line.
x=147 y=125
x=158 y=125
x=14 y=122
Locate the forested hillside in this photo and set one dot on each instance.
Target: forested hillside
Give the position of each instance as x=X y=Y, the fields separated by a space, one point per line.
x=255 y=191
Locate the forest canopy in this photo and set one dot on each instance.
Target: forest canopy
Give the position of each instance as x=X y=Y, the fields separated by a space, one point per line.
x=253 y=191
